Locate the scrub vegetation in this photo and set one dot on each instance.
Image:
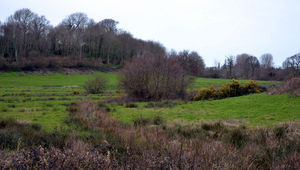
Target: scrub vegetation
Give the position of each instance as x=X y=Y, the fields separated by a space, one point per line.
x=88 y=95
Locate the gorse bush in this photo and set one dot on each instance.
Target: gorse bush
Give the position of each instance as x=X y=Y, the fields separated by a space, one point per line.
x=251 y=87
x=231 y=89
x=206 y=93
x=96 y=85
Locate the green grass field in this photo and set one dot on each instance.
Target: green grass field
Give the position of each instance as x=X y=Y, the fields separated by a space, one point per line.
x=252 y=110
x=43 y=99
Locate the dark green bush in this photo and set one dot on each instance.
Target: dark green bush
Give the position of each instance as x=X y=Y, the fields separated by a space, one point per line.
x=131 y=105
x=14 y=135
x=96 y=85
x=158 y=120
x=4 y=109
x=36 y=127
x=104 y=107
x=161 y=104
x=280 y=131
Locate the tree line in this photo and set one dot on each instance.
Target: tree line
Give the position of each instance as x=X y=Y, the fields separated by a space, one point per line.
x=29 y=42
x=26 y=34
x=247 y=66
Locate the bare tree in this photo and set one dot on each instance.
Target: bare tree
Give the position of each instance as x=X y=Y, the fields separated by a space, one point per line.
x=39 y=31
x=241 y=66
x=246 y=66
x=154 y=78
x=76 y=21
x=21 y=21
x=191 y=62
x=75 y=25
x=293 y=64
x=254 y=65
x=228 y=66
x=266 y=60
x=109 y=25
x=28 y=34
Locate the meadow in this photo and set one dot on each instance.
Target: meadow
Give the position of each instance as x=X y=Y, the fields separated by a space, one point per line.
x=44 y=124
x=43 y=99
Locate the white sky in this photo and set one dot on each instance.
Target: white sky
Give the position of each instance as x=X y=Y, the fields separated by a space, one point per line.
x=213 y=28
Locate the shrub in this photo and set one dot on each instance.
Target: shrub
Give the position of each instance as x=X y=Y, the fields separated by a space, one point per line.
x=158 y=120
x=291 y=86
x=251 y=87
x=4 y=109
x=76 y=92
x=162 y=104
x=131 y=105
x=72 y=108
x=206 y=93
x=280 y=131
x=104 y=107
x=154 y=78
x=36 y=127
x=231 y=89
x=96 y=85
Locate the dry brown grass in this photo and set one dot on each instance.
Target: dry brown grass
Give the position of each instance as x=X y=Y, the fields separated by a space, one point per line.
x=291 y=86
x=176 y=146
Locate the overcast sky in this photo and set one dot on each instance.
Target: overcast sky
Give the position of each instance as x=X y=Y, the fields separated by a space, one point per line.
x=213 y=28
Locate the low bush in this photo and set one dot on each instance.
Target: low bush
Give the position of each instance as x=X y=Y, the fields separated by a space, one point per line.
x=158 y=120
x=218 y=126
x=162 y=104
x=207 y=93
x=131 y=105
x=231 y=89
x=76 y=92
x=291 y=87
x=142 y=121
x=15 y=135
x=96 y=85
x=280 y=131
x=72 y=108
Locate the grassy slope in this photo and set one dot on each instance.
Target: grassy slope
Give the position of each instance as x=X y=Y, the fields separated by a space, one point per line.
x=43 y=99
x=254 y=110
